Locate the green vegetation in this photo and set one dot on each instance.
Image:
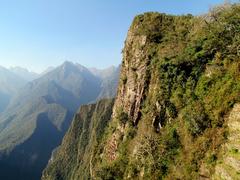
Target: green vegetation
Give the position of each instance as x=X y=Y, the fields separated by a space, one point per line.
x=195 y=80
x=124 y=80
x=122 y=116
x=192 y=81
x=42 y=109
x=74 y=157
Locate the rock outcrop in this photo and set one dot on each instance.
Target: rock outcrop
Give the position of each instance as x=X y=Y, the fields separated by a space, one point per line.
x=133 y=76
x=179 y=80
x=228 y=167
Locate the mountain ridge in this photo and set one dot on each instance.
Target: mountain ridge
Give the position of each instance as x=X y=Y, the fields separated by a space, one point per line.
x=55 y=97
x=179 y=81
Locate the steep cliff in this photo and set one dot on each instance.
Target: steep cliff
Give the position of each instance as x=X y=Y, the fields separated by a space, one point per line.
x=228 y=166
x=73 y=159
x=179 y=80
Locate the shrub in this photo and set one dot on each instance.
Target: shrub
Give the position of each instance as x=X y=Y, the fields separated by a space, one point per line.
x=124 y=80
x=122 y=116
x=196 y=118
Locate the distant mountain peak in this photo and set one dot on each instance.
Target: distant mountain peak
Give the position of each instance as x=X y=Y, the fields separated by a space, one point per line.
x=70 y=67
x=104 y=73
x=3 y=68
x=68 y=63
x=49 y=69
x=24 y=73
x=18 y=68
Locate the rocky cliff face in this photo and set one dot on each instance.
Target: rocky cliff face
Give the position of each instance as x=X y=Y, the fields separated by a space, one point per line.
x=179 y=81
x=133 y=76
x=228 y=166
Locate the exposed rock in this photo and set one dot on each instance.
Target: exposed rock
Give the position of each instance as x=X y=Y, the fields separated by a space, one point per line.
x=131 y=94
x=111 y=149
x=222 y=174
x=233 y=162
x=164 y=86
x=212 y=70
x=229 y=166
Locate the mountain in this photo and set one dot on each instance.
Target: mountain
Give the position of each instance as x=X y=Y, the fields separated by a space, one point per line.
x=83 y=135
x=5 y=98
x=38 y=116
x=176 y=114
x=49 y=69
x=109 y=80
x=24 y=73
x=10 y=83
x=103 y=73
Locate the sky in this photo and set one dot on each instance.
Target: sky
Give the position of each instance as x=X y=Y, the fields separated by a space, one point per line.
x=36 y=34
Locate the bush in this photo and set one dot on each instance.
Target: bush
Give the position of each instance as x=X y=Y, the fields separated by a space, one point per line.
x=124 y=80
x=122 y=116
x=196 y=118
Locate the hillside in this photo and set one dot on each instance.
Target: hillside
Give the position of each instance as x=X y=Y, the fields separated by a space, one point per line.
x=38 y=116
x=84 y=134
x=10 y=83
x=177 y=104
x=24 y=73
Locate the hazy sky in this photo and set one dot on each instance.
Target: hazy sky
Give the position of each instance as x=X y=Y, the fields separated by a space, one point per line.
x=39 y=33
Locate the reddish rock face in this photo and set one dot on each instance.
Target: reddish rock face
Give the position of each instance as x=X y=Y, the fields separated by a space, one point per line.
x=133 y=76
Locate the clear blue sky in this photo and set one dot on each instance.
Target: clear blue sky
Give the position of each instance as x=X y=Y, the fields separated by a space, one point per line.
x=39 y=33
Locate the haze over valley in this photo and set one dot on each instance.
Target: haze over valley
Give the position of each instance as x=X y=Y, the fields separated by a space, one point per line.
x=38 y=109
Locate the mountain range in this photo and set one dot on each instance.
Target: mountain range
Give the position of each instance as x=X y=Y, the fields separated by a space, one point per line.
x=38 y=115
x=24 y=73
x=175 y=115
x=177 y=110
x=10 y=83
